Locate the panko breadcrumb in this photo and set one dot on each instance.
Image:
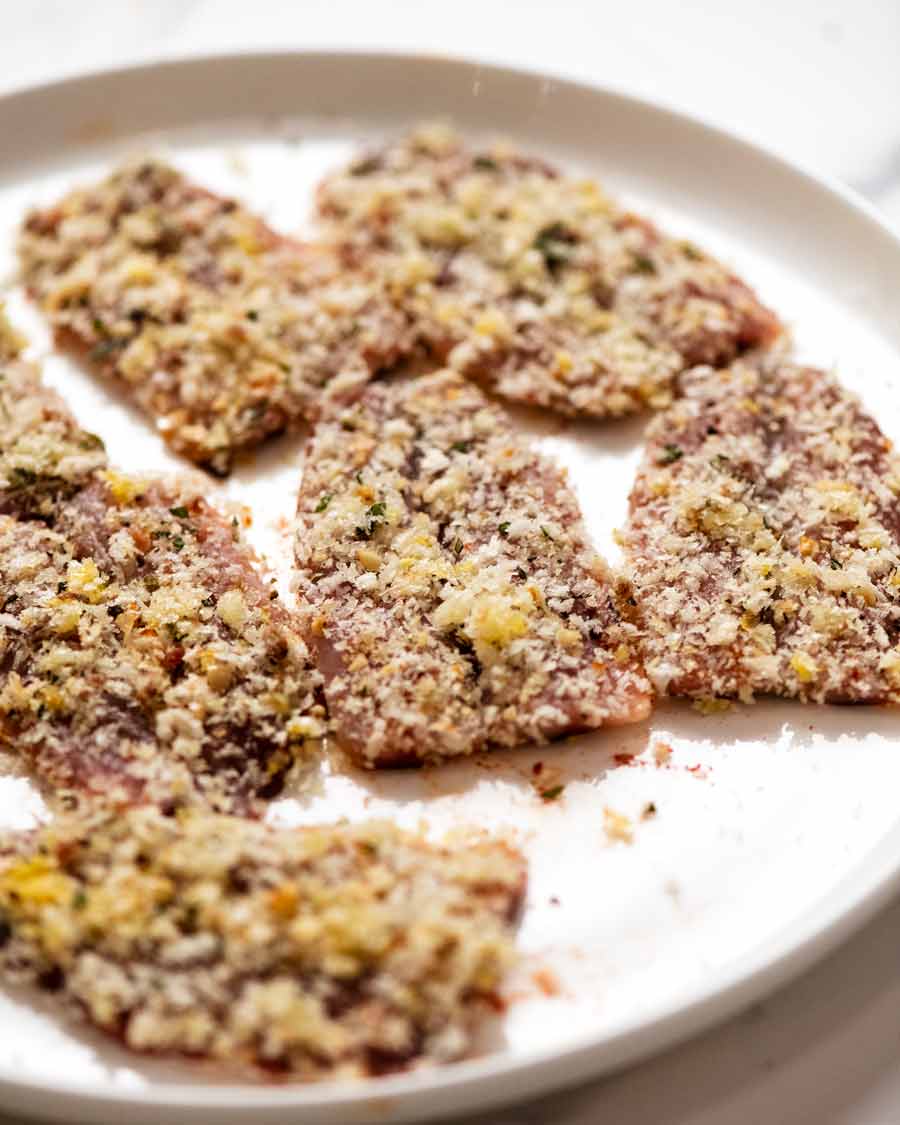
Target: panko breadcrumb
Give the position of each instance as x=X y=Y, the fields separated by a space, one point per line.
x=12 y=342
x=533 y=281
x=315 y=952
x=451 y=593
x=221 y=330
x=764 y=541
x=45 y=456
x=143 y=655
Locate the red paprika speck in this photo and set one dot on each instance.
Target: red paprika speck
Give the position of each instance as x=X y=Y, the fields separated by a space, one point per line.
x=547 y=981
x=497 y=1002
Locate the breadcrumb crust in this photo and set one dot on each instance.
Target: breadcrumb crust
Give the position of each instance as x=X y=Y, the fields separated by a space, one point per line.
x=450 y=591
x=45 y=456
x=764 y=540
x=534 y=281
x=221 y=330
x=316 y=952
x=142 y=655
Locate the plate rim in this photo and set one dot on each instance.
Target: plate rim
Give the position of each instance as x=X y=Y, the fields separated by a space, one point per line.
x=494 y=1079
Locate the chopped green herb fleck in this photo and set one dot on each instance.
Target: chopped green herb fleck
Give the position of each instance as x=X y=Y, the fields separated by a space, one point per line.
x=104 y=349
x=180 y=511
x=23 y=477
x=324 y=501
x=366 y=166
x=642 y=264
x=555 y=243
x=670 y=454
x=504 y=528
x=552 y=793
x=374 y=516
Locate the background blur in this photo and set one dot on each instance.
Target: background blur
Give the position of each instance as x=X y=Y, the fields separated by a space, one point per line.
x=819 y=82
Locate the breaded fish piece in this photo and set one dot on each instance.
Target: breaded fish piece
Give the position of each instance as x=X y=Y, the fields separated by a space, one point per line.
x=451 y=594
x=534 y=281
x=221 y=330
x=142 y=656
x=315 y=952
x=45 y=456
x=764 y=541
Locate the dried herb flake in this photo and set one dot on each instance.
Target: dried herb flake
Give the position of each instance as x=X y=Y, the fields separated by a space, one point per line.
x=555 y=244
x=670 y=454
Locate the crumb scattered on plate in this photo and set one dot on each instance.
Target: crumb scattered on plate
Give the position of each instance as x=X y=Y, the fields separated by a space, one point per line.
x=619 y=828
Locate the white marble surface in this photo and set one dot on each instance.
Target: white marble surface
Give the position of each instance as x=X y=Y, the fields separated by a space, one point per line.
x=817 y=80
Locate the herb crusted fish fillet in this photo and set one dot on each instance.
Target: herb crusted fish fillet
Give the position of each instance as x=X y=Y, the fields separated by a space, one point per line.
x=142 y=656
x=221 y=330
x=317 y=952
x=533 y=281
x=451 y=594
x=764 y=540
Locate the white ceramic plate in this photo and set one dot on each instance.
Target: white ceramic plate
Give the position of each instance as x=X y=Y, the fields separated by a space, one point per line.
x=776 y=830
